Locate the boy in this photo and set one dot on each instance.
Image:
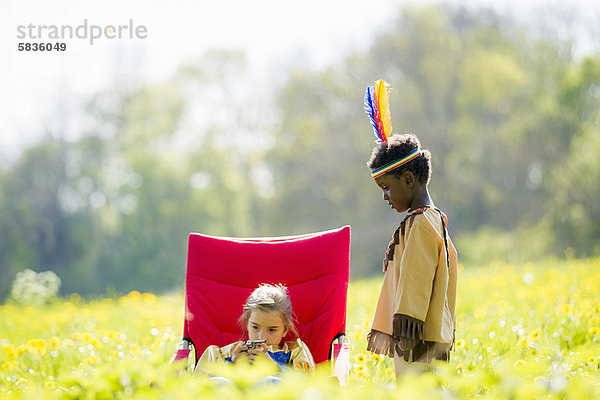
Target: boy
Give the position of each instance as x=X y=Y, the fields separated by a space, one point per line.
x=414 y=320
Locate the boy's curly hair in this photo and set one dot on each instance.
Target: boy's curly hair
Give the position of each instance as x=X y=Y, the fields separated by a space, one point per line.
x=397 y=147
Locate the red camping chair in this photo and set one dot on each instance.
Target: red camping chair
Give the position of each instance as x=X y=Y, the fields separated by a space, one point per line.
x=222 y=272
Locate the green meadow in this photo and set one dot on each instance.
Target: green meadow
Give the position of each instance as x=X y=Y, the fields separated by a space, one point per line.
x=524 y=331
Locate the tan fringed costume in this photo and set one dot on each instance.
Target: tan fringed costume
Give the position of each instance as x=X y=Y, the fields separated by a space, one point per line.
x=415 y=316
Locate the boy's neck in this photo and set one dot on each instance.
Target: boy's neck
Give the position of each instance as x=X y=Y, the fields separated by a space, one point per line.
x=421 y=198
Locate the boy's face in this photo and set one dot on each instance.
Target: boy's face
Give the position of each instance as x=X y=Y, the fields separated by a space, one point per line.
x=397 y=191
x=267 y=326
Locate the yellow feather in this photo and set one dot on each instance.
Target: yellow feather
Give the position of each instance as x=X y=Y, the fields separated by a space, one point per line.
x=382 y=91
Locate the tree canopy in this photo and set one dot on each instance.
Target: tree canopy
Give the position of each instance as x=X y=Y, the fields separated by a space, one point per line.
x=511 y=118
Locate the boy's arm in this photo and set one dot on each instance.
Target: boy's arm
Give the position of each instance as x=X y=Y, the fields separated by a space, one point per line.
x=417 y=270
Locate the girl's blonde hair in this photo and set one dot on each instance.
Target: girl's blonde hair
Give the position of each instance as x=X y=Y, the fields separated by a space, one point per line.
x=269 y=298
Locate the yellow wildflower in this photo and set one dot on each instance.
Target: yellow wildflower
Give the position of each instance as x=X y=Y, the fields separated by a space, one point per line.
x=134 y=295
x=37 y=343
x=519 y=363
x=360 y=358
x=38 y=350
x=149 y=297
x=592 y=361
x=595 y=330
x=534 y=335
x=112 y=335
x=22 y=349
x=460 y=343
x=135 y=349
x=597 y=308
x=90 y=339
x=10 y=350
x=93 y=359
x=55 y=341
x=459 y=369
x=594 y=320
x=9 y=365
x=49 y=384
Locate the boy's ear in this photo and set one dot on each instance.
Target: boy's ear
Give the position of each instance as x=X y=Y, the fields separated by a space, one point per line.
x=408 y=178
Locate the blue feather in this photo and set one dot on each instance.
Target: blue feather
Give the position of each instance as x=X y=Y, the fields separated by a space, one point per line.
x=369 y=104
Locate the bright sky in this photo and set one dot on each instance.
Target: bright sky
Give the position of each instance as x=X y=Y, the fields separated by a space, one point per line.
x=177 y=30
x=34 y=83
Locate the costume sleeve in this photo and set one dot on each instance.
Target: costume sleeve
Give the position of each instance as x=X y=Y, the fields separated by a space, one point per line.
x=301 y=358
x=214 y=354
x=417 y=270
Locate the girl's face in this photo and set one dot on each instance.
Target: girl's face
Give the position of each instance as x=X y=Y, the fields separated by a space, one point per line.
x=398 y=192
x=266 y=325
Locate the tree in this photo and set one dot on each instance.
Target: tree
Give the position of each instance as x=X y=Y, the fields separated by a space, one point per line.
x=573 y=181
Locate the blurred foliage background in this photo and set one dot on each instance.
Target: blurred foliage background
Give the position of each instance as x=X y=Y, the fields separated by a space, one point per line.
x=509 y=111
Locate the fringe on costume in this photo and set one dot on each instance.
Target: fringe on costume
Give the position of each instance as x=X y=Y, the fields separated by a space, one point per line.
x=389 y=254
x=426 y=352
x=408 y=331
x=380 y=343
x=411 y=345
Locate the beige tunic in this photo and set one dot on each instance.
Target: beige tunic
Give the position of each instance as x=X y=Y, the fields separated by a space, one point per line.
x=418 y=296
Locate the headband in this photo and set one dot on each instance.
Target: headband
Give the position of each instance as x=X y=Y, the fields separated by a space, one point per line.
x=395 y=164
x=377 y=106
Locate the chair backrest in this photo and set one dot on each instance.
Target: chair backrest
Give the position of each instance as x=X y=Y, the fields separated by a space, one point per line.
x=222 y=272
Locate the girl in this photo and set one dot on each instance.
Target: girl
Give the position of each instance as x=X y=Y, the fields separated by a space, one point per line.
x=414 y=320
x=267 y=317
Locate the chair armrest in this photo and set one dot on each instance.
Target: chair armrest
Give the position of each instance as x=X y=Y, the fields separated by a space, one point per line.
x=182 y=354
x=340 y=363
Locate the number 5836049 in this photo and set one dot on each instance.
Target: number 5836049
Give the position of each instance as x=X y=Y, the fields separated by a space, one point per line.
x=42 y=46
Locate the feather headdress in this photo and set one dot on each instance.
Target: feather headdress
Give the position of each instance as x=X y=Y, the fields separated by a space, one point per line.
x=377 y=106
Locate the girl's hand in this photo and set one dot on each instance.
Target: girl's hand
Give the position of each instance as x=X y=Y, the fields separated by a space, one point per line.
x=238 y=351
x=261 y=348
x=264 y=347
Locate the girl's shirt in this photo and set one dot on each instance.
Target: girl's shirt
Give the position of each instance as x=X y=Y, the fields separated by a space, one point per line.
x=418 y=295
x=293 y=354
